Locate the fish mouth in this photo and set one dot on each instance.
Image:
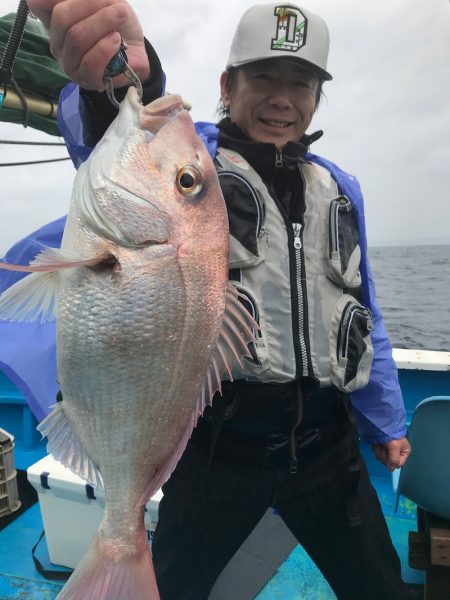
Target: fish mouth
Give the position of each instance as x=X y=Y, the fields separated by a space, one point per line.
x=158 y=113
x=166 y=106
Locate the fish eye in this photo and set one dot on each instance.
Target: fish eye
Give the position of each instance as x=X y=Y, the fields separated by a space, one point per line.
x=189 y=181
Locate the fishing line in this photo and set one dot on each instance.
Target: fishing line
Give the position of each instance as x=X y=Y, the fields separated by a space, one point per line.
x=32 y=143
x=33 y=162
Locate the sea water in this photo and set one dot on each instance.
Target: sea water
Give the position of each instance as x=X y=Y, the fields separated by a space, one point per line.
x=413 y=291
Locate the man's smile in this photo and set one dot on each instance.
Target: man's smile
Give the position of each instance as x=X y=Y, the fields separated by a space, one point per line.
x=275 y=123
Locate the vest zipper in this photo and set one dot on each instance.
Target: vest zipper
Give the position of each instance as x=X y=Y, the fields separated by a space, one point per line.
x=278 y=158
x=293 y=462
x=296 y=268
x=349 y=313
x=297 y=228
x=341 y=203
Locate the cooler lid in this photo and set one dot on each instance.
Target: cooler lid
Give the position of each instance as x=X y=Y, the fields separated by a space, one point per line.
x=48 y=473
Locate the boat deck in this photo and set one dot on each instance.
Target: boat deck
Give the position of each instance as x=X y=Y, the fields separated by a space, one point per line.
x=297 y=578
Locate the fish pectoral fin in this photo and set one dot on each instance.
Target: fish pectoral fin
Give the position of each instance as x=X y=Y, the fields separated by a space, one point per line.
x=30 y=299
x=238 y=331
x=66 y=448
x=55 y=259
x=34 y=297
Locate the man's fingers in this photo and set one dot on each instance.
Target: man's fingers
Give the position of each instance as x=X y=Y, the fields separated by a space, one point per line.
x=42 y=9
x=77 y=26
x=393 y=458
x=405 y=451
x=393 y=454
x=85 y=36
x=86 y=64
x=89 y=72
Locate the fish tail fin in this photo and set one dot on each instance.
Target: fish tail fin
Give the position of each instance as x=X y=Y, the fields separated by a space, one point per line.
x=103 y=575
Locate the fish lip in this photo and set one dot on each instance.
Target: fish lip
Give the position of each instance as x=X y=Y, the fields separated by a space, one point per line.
x=133 y=97
x=169 y=106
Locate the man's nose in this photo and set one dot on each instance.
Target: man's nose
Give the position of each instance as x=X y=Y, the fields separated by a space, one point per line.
x=280 y=97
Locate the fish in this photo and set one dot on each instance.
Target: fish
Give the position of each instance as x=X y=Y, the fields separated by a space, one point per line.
x=147 y=326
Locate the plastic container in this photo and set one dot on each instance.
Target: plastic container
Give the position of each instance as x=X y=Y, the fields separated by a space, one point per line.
x=9 y=495
x=72 y=510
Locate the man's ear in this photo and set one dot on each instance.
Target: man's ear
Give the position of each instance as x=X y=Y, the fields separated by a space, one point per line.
x=225 y=89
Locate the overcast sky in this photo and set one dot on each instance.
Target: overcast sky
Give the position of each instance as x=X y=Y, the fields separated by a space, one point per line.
x=386 y=115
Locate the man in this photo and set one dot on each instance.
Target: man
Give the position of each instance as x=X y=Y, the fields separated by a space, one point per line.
x=284 y=434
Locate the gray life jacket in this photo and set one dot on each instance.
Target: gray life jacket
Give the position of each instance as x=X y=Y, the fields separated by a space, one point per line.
x=300 y=280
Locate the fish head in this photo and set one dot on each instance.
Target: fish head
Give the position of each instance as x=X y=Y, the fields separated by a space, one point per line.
x=150 y=180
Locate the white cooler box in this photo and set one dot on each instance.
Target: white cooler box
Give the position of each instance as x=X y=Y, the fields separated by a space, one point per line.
x=72 y=510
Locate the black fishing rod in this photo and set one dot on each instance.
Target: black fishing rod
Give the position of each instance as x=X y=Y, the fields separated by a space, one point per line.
x=12 y=47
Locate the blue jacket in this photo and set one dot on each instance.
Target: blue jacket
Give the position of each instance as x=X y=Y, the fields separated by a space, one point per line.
x=379 y=407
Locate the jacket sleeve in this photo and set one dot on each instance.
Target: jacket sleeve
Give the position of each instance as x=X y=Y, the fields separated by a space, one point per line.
x=84 y=116
x=379 y=407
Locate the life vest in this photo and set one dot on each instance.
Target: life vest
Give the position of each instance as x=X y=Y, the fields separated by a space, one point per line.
x=301 y=281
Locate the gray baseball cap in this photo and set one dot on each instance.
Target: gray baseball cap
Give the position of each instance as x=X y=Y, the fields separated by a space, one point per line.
x=281 y=30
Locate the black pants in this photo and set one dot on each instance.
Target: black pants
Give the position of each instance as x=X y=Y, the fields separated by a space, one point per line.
x=208 y=512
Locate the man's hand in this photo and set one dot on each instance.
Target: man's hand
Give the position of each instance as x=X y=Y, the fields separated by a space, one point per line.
x=393 y=454
x=85 y=35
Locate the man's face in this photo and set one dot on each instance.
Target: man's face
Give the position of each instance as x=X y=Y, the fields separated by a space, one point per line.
x=271 y=100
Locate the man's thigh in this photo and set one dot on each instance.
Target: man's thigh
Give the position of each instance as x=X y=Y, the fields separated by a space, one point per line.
x=342 y=527
x=206 y=513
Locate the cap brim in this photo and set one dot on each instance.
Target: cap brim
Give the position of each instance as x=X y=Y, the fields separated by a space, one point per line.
x=321 y=73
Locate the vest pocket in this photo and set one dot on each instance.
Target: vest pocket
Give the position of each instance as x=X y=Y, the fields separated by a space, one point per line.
x=241 y=257
x=344 y=254
x=351 y=350
x=246 y=216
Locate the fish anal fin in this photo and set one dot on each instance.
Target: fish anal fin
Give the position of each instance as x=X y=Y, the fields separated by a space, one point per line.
x=66 y=448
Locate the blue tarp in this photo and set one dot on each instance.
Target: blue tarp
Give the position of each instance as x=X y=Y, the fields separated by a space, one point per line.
x=27 y=350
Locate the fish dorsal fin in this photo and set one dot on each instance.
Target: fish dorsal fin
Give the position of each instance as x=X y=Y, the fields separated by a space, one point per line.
x=34 y=297
x=238 y=331
x=66 y=448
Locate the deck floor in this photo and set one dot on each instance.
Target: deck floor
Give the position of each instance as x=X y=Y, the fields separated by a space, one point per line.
x=297 y=578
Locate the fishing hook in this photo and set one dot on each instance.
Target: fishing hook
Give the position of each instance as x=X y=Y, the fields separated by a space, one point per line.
x=118 y=65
